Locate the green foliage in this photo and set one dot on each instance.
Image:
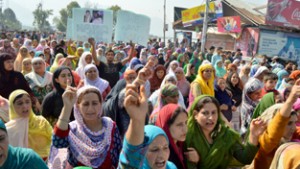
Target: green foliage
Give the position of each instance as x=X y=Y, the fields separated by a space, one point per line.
x=41 y=18
x=9 y=20
x=61 y=21
x=115 y=9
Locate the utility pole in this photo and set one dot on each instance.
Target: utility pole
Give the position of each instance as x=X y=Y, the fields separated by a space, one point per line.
x=164 y=27
x=204 y=30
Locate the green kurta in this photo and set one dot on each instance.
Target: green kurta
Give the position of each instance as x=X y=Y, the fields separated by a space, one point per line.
x=23 y=158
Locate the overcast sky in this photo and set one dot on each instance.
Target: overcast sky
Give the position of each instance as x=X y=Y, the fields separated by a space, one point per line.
x=151 y=8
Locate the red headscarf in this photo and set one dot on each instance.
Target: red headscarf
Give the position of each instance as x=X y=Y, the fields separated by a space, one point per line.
x=163 y=117
x=155 y=81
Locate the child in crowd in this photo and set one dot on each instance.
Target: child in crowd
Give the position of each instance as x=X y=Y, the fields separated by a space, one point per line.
x=226 y=102
x=270 y=80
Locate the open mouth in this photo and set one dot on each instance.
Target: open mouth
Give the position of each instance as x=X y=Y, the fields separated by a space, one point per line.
x=160 y=164
x=25 y=112
x=210 y=124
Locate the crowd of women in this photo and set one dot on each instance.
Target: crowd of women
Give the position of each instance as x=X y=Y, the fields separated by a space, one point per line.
x=97 y=105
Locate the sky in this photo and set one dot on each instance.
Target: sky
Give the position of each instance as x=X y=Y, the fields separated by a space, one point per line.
x=151 y=8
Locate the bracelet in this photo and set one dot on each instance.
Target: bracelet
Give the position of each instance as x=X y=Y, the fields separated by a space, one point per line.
x=63 y=120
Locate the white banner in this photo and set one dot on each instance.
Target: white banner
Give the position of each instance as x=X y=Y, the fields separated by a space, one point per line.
x=132 y=27
x=96 y=23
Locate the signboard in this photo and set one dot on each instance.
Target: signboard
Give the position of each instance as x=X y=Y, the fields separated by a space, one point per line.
x=69 y=34
x=230 y=24
x=177 y=13
x=283 y=13
x=194 y=16
x=225 y=41
x=132 y=27
x=248 y=41
x=92 y=23
x=184 y=38
x=284 y=45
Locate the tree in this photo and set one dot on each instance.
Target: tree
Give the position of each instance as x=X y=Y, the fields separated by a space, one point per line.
x=10 y=20
x=115 y=9
x=61 y=22
x=40 y=18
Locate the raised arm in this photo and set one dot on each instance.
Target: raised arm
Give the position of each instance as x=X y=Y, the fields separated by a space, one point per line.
x=286 y=109
x=132 y=53
x=69 y=98
x=93 y=51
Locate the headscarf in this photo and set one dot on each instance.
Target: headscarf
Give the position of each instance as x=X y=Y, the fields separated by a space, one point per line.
x=29 y=132
x=253 y=70
x=81 y=64
x=294 y=74
x=266 y=101
x=220 y=71
x=41 y=47
x=55 y=62
x=217 y=154
x=151 y=133
x=283 y=86
x=169 y=70
x=87 y=146
x=24 y=72
x=206 y=87
x=287 y=156
x=280 y=75
x=162 y=120
x=19 y=59
x=232 y=66
x=248 y=105
x=27 y=43
x=154 y=80
x=243 y=76
x=99 y=83
x=38 y=53
x=260 y=70
x=195 y=61
x=178 y=59
x=7 y=48
x=134 y=62
x=167 y=90
x=183 y=85
x=37 y=79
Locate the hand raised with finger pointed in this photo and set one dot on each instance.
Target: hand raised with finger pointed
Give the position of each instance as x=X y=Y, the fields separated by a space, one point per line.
x=69 y=96
x=135 y=103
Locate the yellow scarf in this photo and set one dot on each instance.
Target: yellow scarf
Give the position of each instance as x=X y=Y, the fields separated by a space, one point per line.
x=207 y=87
x=39 y=130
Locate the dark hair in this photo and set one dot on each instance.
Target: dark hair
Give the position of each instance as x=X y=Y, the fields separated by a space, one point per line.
x=4 y=57
x=56 y=75
x=212 y=48
x=87 y=91
x=19 y=96
x=289 y=79
x=109 y=51
x=177 y=111
x=204 y=100
x=270 y=76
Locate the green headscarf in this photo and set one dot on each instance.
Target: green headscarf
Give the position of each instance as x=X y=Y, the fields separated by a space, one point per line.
x=220 y=71
x=178 y=59
x=266 y=102
x=216 y=155
x=195 y=61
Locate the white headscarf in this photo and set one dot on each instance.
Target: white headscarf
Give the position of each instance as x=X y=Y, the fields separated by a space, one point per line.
x=99 y=83
x=38 y=80
x=81 y=64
